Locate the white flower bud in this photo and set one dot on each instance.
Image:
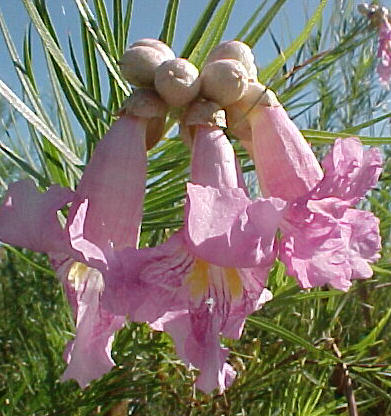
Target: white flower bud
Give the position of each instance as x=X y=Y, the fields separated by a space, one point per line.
x=224 y=81
x=177 y=82
x=140 y=60
x=239 y=51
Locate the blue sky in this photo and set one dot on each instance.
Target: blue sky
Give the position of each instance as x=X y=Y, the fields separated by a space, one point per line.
x=147 y=20
x=148 y=16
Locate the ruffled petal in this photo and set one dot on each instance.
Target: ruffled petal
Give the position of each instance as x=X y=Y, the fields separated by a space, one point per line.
x=362 y=239
x=147 y=283
x=206 y=354
x=226 y=228
x=89 y=355
x=28 y=218
x=113 y=183
x=285 y=164
x=191 y=299
x=350 y=171
x=254 y=296
x=314 y=250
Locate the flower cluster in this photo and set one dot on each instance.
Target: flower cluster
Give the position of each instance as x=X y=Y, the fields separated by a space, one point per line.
x=211 y=274
x=380 y=17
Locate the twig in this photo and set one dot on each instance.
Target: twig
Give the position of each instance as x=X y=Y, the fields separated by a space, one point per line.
x=347 y=384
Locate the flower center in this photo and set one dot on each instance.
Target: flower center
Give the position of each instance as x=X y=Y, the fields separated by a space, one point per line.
x=205 y=275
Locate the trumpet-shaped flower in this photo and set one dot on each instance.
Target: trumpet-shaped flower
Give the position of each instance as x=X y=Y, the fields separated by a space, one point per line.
x=384 y=53
x=105 y=215
x=324 y=240
x=210 y=275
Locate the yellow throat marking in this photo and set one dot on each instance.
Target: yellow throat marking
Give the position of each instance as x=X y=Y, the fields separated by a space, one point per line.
x=77 y=274
x=200 y=277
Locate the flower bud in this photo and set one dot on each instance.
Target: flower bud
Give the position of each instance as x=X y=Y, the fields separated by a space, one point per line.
x=146 y=103
x=156 y=44
x=239 y=51
x=201 y=113
x=237 y=114
x=224 y=81
x=140 y=60
x=177 y=82
x=204 y=112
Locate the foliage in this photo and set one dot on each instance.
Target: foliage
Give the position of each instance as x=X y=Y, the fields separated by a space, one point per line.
x=292 y=355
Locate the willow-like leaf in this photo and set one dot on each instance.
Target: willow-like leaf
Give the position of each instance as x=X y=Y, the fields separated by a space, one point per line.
x=212 y=34
x=168 y=30
x=267 y=73
x=199 y=28
x=100 y=38
x=256 y=33
x=250 y=21
x=38 y=123
x=57 y=54
x=288 y=335
x=23 y=164
x=325 y=137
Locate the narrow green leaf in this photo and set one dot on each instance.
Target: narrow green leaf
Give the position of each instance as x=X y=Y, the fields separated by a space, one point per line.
x=27 y=84
x=32 y=263
x=372 y=337
x=104 y=25
x=212 y=35
x=25 y=166
x=38 y=123
x=51 y=156
x=321 y=136
x=168 y=30
x=252 y=38
x=99 y=40
x=199 y=28
x=288 y=335
x=127 y=21
x=355 y=129
x=267 y=73
x=250 y=21
x=381 y=270
x=118 y=29
x=56 y=52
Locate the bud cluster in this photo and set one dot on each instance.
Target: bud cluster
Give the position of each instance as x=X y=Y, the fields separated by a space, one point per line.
x=228 y=80
x=377 y=14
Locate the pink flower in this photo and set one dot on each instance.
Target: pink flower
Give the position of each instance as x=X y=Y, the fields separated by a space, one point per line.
x=324 y=240
x=384 y=53
x=104 y=216
x=210 y=275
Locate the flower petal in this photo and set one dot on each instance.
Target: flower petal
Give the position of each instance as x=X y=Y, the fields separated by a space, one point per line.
x=213 y=159
x=28 y=218
x=361 y=234
x=384 y=53
x=226 y=228
x=254 y=296
x=285 y=164
x=113 y=183
x=314 y=250
x=206 y=354
x=147 y=283
x=89 y=355
x=350 y=171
